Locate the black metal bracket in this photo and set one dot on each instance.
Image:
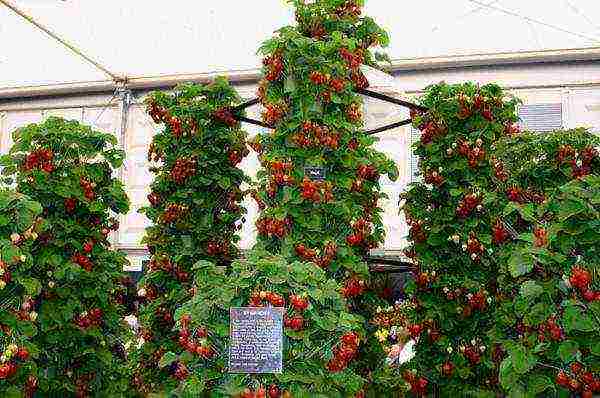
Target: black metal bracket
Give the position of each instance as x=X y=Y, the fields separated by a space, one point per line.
x=388 y=265
x=396 y=101
x=235 y=110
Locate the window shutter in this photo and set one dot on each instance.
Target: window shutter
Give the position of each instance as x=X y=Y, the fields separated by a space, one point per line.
x=541 y=117
x=415 y=136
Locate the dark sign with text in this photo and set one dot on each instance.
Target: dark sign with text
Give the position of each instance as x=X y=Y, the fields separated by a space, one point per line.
x=315 y=173
x=256 y=340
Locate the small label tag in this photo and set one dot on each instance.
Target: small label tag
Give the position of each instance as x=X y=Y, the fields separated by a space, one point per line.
x=256 y=340
x=315 y=173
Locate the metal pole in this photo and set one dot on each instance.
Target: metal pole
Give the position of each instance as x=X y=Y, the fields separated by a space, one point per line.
x=62 y=41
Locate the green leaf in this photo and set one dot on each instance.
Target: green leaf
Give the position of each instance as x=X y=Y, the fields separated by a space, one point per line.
x=32 y=286
x=568 y=350
x=167 y=359
x=520 y=263
x=530 y=290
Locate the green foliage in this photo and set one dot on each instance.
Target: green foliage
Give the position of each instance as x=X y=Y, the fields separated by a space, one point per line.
x=19 y=226
x=550 y=288
x=450 y=215
x=194 y=207
x=307 y=352
x=68 y=168
x=311 y=73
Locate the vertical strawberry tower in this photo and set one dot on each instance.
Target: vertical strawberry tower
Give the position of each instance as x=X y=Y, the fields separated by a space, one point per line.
x=319 y=188
x=194 y=205
x=452 y=242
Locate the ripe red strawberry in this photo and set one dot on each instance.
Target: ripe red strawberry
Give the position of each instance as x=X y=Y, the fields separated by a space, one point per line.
x=274 y=391
x=580 y=278
x=448 y=369
x=88 y=247
x=589 y=295
x=415 y=330
x=22 y=353
x=562 y=379
x=299 y=303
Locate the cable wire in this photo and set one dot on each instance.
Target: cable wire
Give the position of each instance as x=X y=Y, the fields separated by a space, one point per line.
x=62 y=41
x=529 y=19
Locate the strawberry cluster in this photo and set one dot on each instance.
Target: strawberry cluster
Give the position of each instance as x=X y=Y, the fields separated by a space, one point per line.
x=475 y=302
x=273 y=227
x=224 y=115
x=88 y=319
x=298 y=305
x=194 y=342
x=466 y=206
x=580 y=161
x=367 y=172
x=434 y=177
x=579 y=380
x=431 y=129
x=182 y=170
x=352 y=59
x=217 y=248
x=540 y=237
x=323 y=261
x=261 y=392
x=258 y=299
x=160 y=263
x=12 y=357
x=361 y=234
x=273 y=113
x=581 y=279
x=354 y=112
x=40 y=159
x=154 y=199
x=313 y=135
x=158 y=113
x=274 y=66
x=235 y=156
x=316 y=191
x=474 y=153
x=416 y=231
x=344 y=352
x=474 y=247
x=281 y=173
x=424 y=279
x=499 y=170
x=348 y=9
x=173 y=212
x=82 y=260
x=472 y=353
x=418 y=385
x=499 y=233
x=550 y=329
x=353 y=287
x=88 y=188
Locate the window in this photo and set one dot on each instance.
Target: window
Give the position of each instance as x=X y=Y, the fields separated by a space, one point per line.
x=541 y=117
x=413 y=162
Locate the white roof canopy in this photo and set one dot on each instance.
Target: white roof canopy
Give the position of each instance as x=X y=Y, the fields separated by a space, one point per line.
x=152 y=38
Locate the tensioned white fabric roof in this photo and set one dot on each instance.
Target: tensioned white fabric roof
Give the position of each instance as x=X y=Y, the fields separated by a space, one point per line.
x=155 y=37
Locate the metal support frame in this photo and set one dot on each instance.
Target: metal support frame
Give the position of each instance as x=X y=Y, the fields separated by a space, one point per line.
x=236 y=109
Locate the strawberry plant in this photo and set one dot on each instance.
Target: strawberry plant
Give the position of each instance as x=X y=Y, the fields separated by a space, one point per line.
x=19 y=228
x=74 y=277
x=450 y=214
x=548 y=318
x=318 y=188
x=195 y=209
x=321 y=337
